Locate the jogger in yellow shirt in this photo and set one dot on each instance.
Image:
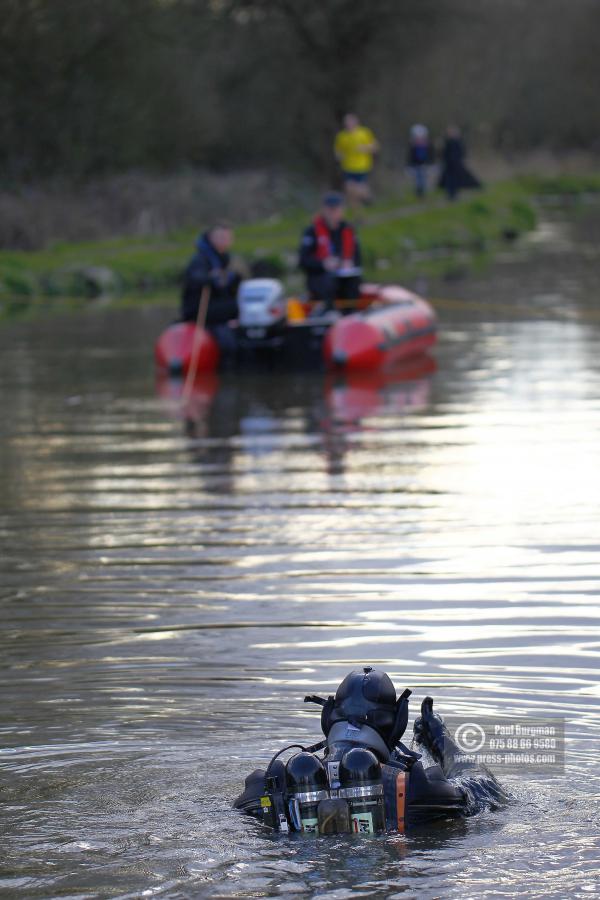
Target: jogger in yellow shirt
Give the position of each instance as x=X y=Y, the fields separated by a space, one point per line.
x=354 y=148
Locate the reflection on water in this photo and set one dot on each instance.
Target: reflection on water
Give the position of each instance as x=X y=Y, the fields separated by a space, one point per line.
x=174 y=580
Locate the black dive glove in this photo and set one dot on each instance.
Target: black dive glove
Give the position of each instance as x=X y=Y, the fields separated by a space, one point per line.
x=430 y=732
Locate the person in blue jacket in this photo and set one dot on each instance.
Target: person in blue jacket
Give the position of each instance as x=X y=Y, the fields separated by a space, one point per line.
x=420 y=157
x=211 y=265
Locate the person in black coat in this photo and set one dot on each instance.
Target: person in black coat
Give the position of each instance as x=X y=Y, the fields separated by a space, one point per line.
x=330 y=254
x=211 y=265
x=455 y=175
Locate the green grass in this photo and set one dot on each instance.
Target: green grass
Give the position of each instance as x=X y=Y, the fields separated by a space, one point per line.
x=400 y=238
x=561 y=185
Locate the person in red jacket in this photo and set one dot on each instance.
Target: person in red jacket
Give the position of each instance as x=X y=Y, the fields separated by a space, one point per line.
x=330 y=254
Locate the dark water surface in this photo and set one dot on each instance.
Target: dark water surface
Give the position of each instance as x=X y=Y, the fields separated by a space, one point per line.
x=170 y=592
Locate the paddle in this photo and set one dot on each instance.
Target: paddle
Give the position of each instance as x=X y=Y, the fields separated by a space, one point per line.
x=200 y=320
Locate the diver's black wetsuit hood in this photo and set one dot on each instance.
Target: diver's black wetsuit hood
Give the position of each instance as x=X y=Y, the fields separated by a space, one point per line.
x=365 y=711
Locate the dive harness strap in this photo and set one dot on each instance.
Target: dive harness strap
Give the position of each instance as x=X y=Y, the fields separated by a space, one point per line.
x=314 y=747
x=312 y=698
x=326 y=710
x=400 y=722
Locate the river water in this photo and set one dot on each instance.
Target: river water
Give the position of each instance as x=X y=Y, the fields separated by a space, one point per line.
x=171 y=588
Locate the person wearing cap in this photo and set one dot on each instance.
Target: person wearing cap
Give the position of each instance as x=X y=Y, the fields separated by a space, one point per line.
x=354 y=147
x=330 y=254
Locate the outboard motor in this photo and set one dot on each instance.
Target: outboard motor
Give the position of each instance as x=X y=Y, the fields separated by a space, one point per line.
x=262 y=309
x=306 y=786
x=361 y=785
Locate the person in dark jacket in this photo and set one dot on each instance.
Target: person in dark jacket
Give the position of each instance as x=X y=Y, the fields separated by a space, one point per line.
x=455 y=175
x=211 y=266
x=330 y=254
x=440 y=782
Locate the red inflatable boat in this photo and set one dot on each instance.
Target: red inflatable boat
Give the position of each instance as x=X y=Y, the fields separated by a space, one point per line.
x=397 y=326
x=391 y=324
x=173 y=350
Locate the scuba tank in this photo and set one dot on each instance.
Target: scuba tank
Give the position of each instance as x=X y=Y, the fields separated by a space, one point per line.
x=306 y=782
x=361 y=785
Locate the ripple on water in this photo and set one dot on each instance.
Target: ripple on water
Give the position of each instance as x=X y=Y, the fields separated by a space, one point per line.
x=170 y=591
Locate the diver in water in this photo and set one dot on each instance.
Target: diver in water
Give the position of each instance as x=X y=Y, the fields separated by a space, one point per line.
x=367 y=780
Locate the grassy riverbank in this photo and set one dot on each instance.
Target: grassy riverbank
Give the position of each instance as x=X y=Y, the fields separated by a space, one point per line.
x=401 y=238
